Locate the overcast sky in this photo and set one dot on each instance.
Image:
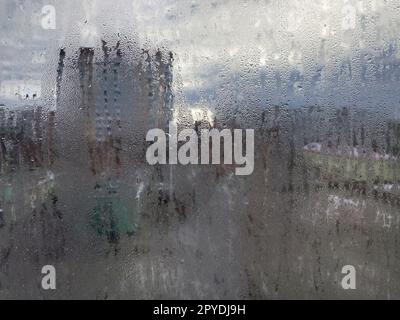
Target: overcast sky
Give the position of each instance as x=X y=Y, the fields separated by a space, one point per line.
x=310 y=51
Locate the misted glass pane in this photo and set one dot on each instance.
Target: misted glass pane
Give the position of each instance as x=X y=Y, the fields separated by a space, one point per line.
x=165 y=149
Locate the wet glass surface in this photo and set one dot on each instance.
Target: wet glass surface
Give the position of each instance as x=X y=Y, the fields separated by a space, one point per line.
x=82 y=82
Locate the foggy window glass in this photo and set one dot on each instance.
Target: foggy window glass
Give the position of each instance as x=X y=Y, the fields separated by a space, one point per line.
x=165 y=149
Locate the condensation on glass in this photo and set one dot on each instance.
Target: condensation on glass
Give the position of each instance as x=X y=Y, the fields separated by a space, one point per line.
x=81 y=82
